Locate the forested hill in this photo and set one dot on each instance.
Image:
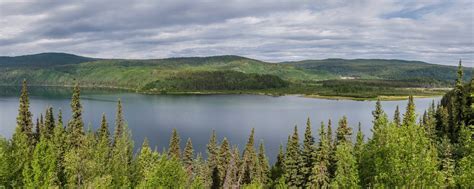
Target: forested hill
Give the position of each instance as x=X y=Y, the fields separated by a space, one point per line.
x=382 y=69
x=43 y=59
x=288 y=77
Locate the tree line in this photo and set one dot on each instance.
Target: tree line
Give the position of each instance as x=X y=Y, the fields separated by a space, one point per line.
x=217 y=80
x=431 y=150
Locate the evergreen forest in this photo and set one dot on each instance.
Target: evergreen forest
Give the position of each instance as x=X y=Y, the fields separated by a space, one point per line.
x=432 y=150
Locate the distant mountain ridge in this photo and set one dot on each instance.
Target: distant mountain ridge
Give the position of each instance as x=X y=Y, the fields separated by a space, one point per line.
x=65 y=69
x=43 y=59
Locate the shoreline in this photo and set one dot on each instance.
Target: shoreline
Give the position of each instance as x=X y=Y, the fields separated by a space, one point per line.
x=316 y=96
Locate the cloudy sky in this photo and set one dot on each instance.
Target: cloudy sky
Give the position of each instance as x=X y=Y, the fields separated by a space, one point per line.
x=435 y=31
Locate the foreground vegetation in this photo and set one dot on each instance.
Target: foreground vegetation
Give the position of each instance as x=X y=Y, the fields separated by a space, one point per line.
x=365 y=78
x=436 y=151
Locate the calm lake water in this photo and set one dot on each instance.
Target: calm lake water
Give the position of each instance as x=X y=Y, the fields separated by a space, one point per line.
x=232 y=116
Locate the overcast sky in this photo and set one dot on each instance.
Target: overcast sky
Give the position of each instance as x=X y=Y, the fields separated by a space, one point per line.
x=434 y=31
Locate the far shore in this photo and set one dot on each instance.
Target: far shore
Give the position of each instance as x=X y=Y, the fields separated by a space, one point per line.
x=255 y=92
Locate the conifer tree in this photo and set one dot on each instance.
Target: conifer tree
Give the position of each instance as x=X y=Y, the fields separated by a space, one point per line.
x=22 y=139
x=464 y=173
x=380 y=117
x=308 y=153
x=278 y=170
x=200 y=173
x=57 y=151
x=442 y=121
x=121 y=159
x=460 y=100
x=329 y=132
x=358 y=148
x=231 y=178
x=45 y=161
x=119 y=122
x=174 y=147
x=249 y=160
x=332 y=150
x=359 y=145
x=212 y=161
x=346 y=175
x=5 y=162
x=49 y=124
x=447 y=163
x=264 y=164
x=320 y=173
x=146 y=159
x=293 y=161
x=103 y=148
x=396 y=117
x=378 y=112
x=166 y=173
x=343 y=132
x=76 y=125
x=188 y=156
x=224 y=157
x=78 y=162
x=39 y=164
x=36 y=134
x=410 y=115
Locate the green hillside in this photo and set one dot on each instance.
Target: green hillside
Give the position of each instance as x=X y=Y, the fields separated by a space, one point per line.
x=43 y=59
x=384 y=69
x=366 y=78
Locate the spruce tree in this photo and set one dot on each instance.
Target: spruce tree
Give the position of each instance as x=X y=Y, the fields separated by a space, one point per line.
x=308 y=153
x=188 y=156
x=146 y=159
x=200 y=172
x=442 y=122
x=121 y=155
x=343 y=132
x=396 y=117
x=378 y=112
x=278 y=170
x=166 y=173
x=249 y=160
x=211 y=178
x=174 y=147
x=5 y=162
x=379 y=115
x=293 y=161
x=76 y=125
x=447 y=162
x=224 y=157
x=320 y=177
x=57 y=151
x=39 y=165
x=22 y=139
x=410 y=115
x=231 y=178
x=119 y=122
x=359 y=145
x=332 y=150
x=329 y=132
x=48 y=123
x=346 y=175
x=264 y=164
x=464 y=173
x=103 y=148
x=359 y=148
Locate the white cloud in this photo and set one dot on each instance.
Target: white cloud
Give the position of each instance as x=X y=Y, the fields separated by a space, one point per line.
x=433 y=31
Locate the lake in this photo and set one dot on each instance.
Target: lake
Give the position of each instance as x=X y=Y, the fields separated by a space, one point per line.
x=195 y=116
